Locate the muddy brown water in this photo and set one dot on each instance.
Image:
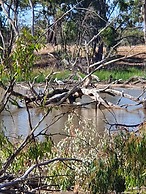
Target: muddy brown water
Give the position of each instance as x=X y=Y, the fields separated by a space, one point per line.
x=15 y=122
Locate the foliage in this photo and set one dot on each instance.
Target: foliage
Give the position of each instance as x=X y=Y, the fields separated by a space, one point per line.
x=59 y=22
x=35 y=151
x=23 y=55
x=6 y=148
x=130 y=12
x=69 y=33
x=120 y=169
x=62 y=175
x=110 y=36
x=109 y=163
x=133 y=37
x=2 y=72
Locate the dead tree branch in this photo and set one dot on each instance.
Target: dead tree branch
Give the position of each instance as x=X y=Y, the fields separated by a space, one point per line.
x=30 y=169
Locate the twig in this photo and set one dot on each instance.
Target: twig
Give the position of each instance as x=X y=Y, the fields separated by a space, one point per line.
x=25 y=175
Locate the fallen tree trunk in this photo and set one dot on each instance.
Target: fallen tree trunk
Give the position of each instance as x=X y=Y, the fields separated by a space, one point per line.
x=60 y=96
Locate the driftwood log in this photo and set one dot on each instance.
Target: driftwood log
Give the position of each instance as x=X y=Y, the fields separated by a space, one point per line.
x=32 y=97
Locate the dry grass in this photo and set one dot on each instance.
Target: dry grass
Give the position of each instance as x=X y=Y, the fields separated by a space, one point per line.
x=121 y=50
x=47 y=56
x=132 y=49
x=139 y=51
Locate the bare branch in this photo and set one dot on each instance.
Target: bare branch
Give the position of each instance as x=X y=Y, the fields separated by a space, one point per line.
x=25 y=175
x=10 y=19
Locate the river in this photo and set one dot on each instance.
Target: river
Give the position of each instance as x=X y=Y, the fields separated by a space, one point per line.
x=14 y=122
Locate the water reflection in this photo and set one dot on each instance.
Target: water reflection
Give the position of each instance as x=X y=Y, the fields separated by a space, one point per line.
x=16 y=122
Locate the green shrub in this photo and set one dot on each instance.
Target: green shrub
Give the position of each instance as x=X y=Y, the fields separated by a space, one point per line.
x=115 y=163
x=109 y=163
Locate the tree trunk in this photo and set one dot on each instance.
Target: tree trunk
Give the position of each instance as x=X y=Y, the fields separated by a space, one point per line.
x=16 y=4
x=98 y=55
x=7 y=11
x=144 y=18
x=32 y=13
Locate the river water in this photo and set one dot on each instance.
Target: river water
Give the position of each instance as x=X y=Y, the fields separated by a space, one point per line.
x=14 y=122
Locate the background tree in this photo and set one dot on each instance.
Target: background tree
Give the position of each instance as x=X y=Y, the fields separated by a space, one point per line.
x=81 y=25
x=144 y=18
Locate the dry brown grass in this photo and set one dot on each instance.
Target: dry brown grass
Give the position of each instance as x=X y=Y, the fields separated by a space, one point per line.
x=138 y=50
x=123 y=50
x=48 y=57
x=131 y=49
